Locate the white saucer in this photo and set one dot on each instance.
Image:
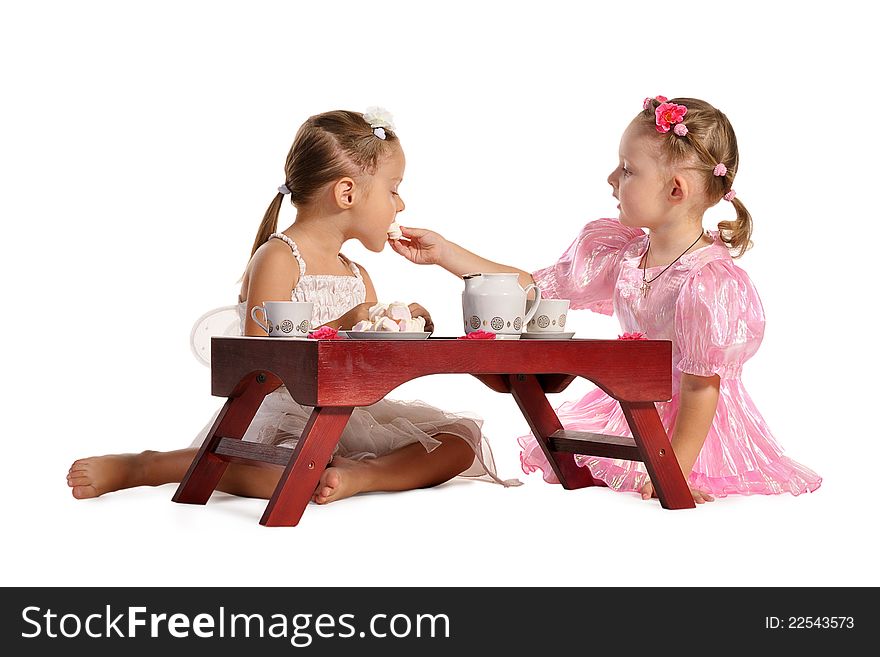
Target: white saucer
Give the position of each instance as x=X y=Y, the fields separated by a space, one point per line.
x=547 y=336
x=386 y=335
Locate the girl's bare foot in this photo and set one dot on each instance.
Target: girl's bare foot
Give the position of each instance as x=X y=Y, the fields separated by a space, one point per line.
x=343 y=478
x=96 y=475
x=699 y=496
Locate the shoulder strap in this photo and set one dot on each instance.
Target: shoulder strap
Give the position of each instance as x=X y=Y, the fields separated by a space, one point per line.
x=299 y=259
x=354 y=268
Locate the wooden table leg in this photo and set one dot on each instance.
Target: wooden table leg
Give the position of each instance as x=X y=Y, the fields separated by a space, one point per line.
x=307 y=463
x=657 y=455
x=544 y=423
x=235 y=417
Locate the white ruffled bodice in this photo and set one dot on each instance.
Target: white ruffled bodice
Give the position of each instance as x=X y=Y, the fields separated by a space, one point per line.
x=332 y=295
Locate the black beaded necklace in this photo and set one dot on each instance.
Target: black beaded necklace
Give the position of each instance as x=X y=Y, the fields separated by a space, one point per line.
x=646 y=284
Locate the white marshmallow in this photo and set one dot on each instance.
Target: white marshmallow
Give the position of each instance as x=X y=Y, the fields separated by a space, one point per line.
x=398 y=311
x=386 y=324
x=377 y=311
x=394 y=231
x=362 y=325
x=414 y=325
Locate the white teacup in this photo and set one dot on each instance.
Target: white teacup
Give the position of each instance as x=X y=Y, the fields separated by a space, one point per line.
x=285 y=319
x=550 y=317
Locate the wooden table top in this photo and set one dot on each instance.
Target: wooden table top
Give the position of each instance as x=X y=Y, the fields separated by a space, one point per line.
x=361 y=372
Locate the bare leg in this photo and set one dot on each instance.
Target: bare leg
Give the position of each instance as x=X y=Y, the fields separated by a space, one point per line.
x=96 y=475
x=403 y=469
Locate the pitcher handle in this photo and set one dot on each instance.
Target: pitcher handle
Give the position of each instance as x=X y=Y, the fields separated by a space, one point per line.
x=265 y=326
x=530 y=312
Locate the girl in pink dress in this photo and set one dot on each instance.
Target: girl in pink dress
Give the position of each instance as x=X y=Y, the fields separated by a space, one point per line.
x=678 y=282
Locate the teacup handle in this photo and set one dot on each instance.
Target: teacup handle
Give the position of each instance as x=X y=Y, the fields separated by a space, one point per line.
x=263 y=326
x=531 y=312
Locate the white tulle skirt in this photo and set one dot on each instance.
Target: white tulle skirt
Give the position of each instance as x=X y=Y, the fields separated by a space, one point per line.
x=373 y=431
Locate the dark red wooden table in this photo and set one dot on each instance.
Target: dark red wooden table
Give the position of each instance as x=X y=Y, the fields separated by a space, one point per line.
x=335 y=376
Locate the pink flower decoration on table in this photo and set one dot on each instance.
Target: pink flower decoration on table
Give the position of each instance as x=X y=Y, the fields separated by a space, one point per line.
x=632 y=336
x=325 y=333
x=729 y=196
x=680 y=129
x=478 y=335
x=646 y=104
x=668 y=114
x=719 y=170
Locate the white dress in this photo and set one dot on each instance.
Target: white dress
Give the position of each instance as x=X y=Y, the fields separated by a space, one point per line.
x=372 y=430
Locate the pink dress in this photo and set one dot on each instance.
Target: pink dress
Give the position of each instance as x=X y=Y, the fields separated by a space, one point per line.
x=709 y=309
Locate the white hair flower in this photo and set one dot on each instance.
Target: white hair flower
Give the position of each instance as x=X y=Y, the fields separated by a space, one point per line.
x=379 y=118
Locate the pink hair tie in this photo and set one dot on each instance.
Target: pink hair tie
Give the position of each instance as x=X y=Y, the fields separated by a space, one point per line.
x=646 y=104
x=719 y=170
x=729 y=196
x=680 y=129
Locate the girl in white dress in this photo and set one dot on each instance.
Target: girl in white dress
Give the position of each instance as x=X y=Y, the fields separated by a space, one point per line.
x=342 y=174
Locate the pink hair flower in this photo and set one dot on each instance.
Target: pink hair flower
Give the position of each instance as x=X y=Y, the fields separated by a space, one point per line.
x=646 y=104
x=325 y=333
x=680 y=129
x=729 y=196
x=668 y=114
x=719 y=170
x=478 y=335
x=632 y=336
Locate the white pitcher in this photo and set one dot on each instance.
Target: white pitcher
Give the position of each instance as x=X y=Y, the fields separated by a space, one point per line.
x=496 y=303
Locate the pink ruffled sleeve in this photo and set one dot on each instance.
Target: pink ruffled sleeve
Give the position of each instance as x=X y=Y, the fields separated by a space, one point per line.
x=719 y=320
x=587 y=271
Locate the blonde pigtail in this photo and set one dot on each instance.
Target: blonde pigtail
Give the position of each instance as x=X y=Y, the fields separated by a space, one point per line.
x=737 y=234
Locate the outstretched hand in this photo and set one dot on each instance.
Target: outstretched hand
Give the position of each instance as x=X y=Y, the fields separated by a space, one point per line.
x=423 y=247
x=699 y=496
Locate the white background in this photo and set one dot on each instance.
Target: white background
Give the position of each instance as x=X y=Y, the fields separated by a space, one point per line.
x=142 y=143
